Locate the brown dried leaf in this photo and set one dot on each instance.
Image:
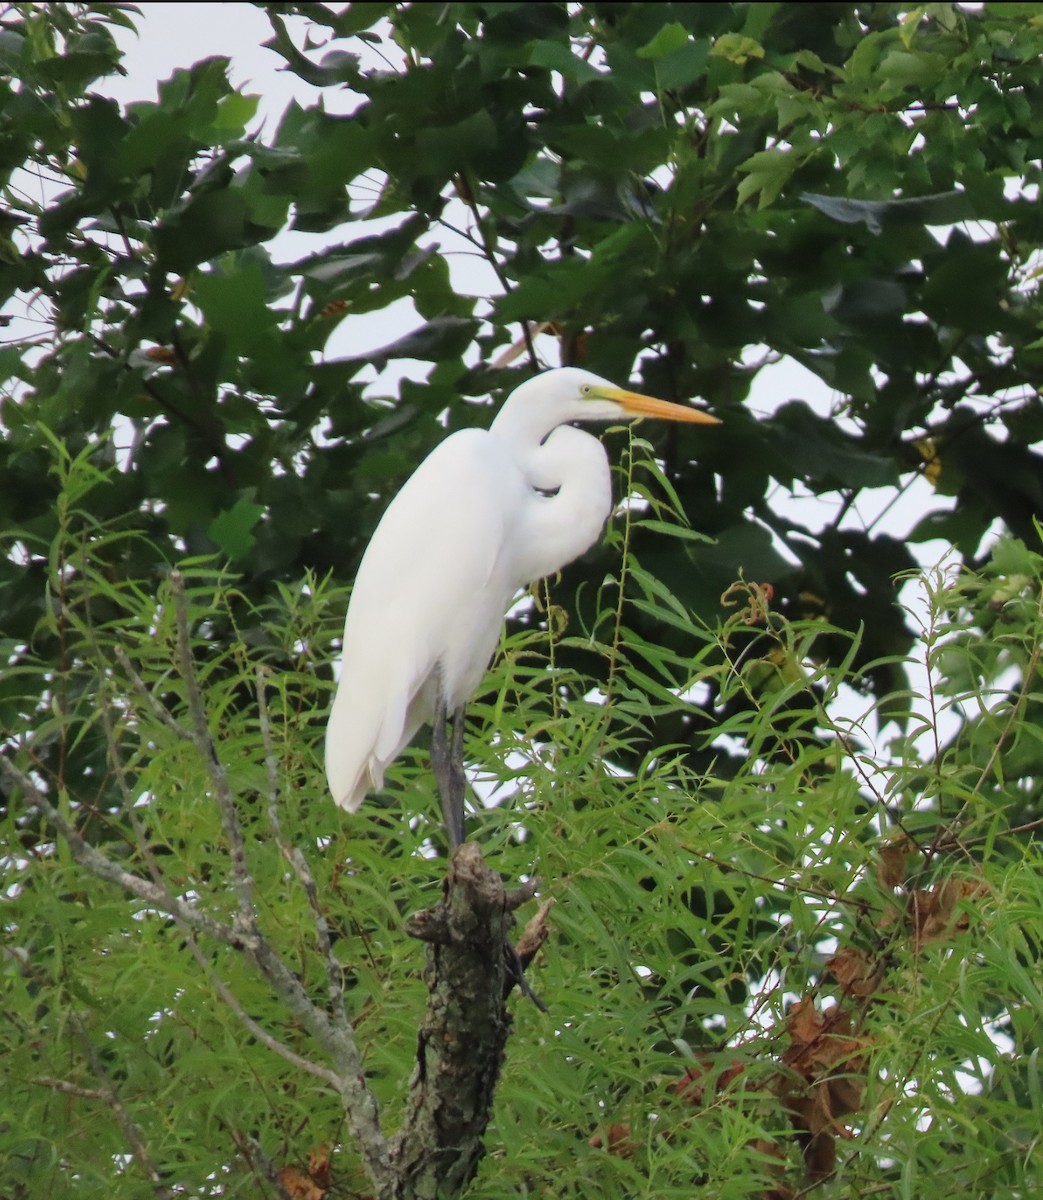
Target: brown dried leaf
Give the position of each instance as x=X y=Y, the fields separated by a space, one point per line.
x=845 y=1095
x=891 y=868
x=813 y=1122
x=617 y=1140
x=856 y=973
x=834 y=1045
x=319 y=1165
x=535 y=933
x=820 y=1157
x=298 y=1184
x=804 y=1023
x=932 y=914
x=817 y=1100
x=690 y=1086
x=921 y=908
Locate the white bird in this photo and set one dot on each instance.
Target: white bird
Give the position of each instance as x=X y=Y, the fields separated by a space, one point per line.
x=484 y=515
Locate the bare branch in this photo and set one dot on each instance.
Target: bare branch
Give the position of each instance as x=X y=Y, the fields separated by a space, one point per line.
x=69 y=1089
x=160 y=711
x=262 y=1035
x=360 y=1106
x=105 y=868
x=120 y=771
x=258 y=1161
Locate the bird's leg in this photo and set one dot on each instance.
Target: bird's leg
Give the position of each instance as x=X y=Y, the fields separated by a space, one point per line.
x=516 y=974
x=447 y=765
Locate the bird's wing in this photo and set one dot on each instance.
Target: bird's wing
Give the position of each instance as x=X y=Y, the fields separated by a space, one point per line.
x=427 y=593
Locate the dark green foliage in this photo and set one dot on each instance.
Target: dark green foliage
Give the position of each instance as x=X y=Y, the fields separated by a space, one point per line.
x=677 y=195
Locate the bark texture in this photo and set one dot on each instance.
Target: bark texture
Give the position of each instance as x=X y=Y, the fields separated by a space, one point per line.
x=461 y=1044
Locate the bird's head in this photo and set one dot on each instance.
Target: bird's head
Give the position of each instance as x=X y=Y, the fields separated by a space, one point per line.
x=571 y=394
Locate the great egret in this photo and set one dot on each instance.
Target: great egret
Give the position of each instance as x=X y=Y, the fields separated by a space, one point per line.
x=484 y=515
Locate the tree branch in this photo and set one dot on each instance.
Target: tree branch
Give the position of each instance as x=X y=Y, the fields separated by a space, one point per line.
x=462 y=1041
x=68 y=1089
x=359 y=1104
x=108 y=870
x=158 y=710
x=262 y=1035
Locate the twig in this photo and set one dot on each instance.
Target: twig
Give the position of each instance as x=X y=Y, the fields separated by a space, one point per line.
x=952 y=842
x=130 y=1128
x=359 y=1104
x=107 y=869
x=293 y=855
x=258 y=1161
x=120 y=771
x=261 y=1034
x=206 y=431
x=465 y=190
x=69 y=1089
x=158 y=710
x=241 y=878
x=333 y=1030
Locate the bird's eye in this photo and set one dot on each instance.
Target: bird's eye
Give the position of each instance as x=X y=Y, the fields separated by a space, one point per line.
x=585 y=388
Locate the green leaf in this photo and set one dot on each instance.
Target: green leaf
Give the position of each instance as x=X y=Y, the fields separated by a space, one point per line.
x=232 y=530
x=737 y=48
x=767 y=173
x=667 y=41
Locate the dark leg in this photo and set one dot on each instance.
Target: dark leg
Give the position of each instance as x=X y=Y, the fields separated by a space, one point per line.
x=447 y=765
x=516 y=976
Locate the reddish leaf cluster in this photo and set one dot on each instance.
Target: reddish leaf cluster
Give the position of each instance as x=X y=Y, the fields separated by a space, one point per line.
x=932 y=913
x=755 y=599
x=857 y=974
x=826 y=1059
x=823 y=1085
x=616 y=1140
x=310 y=1184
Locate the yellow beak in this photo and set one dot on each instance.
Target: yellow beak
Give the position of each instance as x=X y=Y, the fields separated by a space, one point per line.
x=646 y=406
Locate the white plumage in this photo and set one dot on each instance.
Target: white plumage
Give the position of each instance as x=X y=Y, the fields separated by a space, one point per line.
x=485 y=514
